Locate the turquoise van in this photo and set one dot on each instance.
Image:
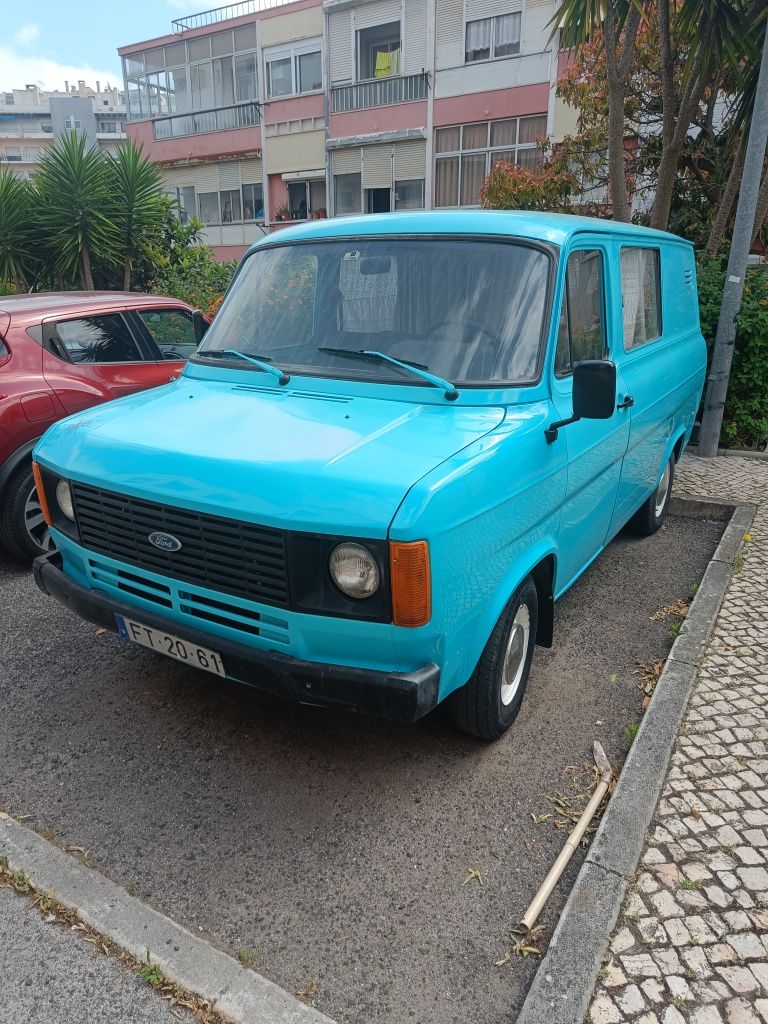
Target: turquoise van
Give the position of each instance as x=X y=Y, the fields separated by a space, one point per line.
x=401 y=440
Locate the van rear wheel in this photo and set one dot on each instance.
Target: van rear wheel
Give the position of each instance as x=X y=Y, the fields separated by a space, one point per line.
x=488 y=704
x=653 y=512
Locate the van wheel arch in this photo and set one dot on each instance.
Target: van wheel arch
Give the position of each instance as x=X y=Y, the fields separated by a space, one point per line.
x=544 y=577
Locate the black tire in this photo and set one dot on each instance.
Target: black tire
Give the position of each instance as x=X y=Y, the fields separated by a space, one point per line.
x=648 y=518
x=478 y=708
x=15 y=535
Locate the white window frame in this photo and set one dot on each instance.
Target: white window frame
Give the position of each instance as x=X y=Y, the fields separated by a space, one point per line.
x=494 y=18
x=293 y=53
x=489 y=151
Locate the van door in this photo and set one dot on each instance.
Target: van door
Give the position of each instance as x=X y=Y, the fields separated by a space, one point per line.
x=653 y=371
x=595 y=447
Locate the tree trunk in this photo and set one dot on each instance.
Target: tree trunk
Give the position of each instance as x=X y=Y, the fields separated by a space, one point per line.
x=762 y=207
x=617 y=72
x=87 y=275
x=717 y=230
x=127 y=275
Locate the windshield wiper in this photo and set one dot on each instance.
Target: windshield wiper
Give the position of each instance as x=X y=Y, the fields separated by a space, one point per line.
x=415 y=368
x=263 y=362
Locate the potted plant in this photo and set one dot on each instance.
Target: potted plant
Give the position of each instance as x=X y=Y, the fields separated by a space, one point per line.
x=283 y=212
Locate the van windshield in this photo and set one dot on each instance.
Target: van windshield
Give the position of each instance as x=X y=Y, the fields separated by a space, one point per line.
x=471 y=312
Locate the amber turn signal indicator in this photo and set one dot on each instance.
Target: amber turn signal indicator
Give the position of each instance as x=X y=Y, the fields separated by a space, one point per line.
x=411 y=585
x=41 y=493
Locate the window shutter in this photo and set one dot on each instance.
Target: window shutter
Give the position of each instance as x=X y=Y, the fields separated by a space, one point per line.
x=229 y=175
x=489 y=8
x=207 y=178
x=410 y=159
x=346 y=161
x=414 y=42
x=340 y=46
x=381 y=13
x=377 y=166
x=251 y=172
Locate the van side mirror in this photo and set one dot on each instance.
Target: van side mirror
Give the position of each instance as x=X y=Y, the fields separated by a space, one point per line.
x=200 y=325
x=594 y=394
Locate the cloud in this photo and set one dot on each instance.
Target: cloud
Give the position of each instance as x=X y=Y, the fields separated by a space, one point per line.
x=27 y=34
x=18 y=70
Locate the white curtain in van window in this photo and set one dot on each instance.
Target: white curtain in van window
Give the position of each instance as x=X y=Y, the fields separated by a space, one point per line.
x=631 y=294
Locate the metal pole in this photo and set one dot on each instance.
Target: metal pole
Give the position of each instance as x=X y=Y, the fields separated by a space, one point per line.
x=722 y=354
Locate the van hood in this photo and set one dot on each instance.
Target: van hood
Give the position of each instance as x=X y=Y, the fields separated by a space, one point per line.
x=285 y=458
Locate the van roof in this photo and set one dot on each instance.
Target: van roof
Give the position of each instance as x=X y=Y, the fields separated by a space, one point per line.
x=556 y=228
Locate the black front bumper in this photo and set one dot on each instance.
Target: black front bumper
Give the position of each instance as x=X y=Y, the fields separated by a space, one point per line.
x=400 y=697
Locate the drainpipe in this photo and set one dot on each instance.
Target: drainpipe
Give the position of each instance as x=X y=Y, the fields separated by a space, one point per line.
x=432 y=75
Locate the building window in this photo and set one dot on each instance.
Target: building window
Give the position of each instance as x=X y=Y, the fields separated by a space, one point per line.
x=294 y=70
x=347 y=194
x=306 y=198
x=466 y=153
x=72 y=123
x=409 y=195
x=204 y=72
x=490 y=38
x=228 y=206
x=378 y=51
x=13 y=153
x=640 y=296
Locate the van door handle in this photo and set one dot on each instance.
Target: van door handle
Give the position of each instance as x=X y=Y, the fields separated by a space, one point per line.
x=627 y=403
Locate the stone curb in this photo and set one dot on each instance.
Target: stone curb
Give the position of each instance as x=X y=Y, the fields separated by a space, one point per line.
x=234 y=991
x=692 y=449
x=563 y=985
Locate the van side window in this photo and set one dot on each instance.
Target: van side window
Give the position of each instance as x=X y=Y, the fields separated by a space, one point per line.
x=640 y=296
x=581 y=333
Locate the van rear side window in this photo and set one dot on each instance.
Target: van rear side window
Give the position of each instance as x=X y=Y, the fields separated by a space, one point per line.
x=640 y=296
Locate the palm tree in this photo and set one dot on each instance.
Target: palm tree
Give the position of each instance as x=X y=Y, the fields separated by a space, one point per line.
x=616 y=22
x=135 y=204
x=17 y=230
x=73 y=195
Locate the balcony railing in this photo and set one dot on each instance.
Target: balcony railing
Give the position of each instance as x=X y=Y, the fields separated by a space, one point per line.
x=217 y=14
x=217 y=119
x=380 y=92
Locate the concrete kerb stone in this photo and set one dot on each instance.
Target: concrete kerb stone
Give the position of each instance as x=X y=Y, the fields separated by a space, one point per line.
x=563 y=985
x=189 y=961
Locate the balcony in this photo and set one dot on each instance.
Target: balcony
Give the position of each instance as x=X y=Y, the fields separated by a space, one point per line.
x=218 y=14
x=217 y=119
x=380 y=92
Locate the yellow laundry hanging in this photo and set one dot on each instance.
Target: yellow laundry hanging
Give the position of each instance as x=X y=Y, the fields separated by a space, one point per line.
x=387 y=64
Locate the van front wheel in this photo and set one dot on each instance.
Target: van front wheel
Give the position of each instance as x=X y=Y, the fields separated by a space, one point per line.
x=488 y=704
x=653 y=512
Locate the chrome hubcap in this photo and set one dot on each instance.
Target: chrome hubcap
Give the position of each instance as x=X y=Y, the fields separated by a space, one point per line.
x=35 y=524
x=514 y=657
x=662 y=491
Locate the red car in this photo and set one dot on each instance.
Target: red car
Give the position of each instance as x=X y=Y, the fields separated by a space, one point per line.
x=62 y=352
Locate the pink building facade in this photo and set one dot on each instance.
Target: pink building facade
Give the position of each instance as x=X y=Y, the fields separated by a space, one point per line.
x=311 y=108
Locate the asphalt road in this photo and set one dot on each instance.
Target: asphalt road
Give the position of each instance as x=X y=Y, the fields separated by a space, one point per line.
x=332 y=847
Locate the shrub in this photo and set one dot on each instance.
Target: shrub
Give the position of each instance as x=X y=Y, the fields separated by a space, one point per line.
x=194 y=277
x=511 y=187
x=745 y=421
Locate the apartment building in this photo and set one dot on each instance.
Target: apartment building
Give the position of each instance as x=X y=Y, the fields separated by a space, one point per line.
x=261 y=112
x=30 y=121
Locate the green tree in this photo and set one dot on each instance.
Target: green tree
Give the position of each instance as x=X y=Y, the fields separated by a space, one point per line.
x=74 y=202
x=135 y=206
x=17 y=230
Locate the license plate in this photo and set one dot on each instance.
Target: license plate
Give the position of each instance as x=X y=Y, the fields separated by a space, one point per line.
x=167 y=643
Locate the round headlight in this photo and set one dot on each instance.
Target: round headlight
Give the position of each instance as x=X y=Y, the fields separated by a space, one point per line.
x=354 y=570
x=64 y=498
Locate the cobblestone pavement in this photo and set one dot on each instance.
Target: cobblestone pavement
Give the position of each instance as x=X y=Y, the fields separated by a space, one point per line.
x=691 y=941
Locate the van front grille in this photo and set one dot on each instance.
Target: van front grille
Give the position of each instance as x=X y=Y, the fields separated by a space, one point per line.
x=220 y=554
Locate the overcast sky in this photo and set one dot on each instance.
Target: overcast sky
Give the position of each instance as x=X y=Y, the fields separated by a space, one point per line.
x=52 y=41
